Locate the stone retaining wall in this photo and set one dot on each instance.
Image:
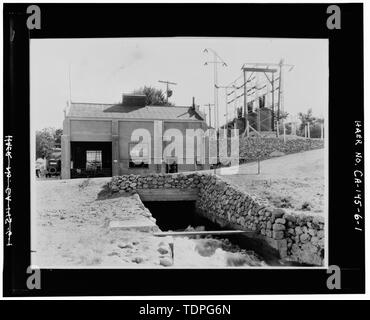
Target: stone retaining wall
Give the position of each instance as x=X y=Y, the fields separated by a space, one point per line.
x=296 y=237
x=254 y=148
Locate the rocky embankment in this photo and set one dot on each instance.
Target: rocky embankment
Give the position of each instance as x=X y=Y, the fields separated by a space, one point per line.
x=254 y=148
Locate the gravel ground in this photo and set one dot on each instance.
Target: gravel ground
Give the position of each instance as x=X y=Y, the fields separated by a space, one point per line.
x=71 y=229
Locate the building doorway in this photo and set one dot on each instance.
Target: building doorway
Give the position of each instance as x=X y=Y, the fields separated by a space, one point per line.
x=91 y=159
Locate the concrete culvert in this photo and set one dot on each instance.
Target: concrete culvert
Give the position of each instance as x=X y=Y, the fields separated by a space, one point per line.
x=181 y=216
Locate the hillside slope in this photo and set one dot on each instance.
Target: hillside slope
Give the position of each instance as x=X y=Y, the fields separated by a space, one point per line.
x=254 y=148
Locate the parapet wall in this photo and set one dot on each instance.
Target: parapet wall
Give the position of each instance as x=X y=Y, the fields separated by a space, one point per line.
x=296 y=237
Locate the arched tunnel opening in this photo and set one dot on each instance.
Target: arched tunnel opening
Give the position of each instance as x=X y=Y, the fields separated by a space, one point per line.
x=178 y=215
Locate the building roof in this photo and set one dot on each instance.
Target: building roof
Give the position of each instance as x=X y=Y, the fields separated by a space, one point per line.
x=119 y=111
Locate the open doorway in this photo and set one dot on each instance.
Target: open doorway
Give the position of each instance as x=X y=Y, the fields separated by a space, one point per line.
x=91 y=159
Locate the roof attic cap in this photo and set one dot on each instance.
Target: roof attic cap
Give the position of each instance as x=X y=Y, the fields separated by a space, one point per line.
x=134 y=100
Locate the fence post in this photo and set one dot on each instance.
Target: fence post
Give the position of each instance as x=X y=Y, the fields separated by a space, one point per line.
x=322 y=131
x=284 y=130
x=308 y=131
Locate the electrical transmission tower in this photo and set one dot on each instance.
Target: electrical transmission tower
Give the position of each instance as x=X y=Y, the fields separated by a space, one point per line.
x=269 y=70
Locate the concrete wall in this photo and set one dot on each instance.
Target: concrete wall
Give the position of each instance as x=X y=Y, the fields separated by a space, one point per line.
x=182 y=127
x=125 y=130
x=119 y=132
x=83 y=130
x=91 y=130
x=294 y=237
x=66 y=150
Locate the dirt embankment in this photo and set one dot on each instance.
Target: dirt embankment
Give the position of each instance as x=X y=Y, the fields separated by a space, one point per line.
x=295 y=182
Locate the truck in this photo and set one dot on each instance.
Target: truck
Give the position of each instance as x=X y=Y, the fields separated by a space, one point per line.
x=53 y=163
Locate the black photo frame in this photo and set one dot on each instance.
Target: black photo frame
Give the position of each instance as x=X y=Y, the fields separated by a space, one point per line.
x=346 y=106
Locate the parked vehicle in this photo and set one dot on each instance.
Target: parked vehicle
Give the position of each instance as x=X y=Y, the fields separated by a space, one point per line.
x=53 y=163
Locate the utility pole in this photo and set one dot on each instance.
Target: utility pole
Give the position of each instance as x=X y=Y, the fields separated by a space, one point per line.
x=245 y=94
x=226 y=103
x=245 y=99
x=235 y=104
x=168 y=91
x=209 y=113
x=272 y=102
x=70 y=84
x=216 y=60
x=227 y=109
x=280 y=89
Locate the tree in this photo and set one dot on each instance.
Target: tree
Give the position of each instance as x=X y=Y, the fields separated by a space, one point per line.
x=46 y=140
x=58 y=137
x=306 y=118
x=315 y=123
x=282 y=114
x=154 y=97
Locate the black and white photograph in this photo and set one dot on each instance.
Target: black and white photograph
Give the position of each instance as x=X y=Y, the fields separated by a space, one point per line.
x=188 y=149
x=126 y=175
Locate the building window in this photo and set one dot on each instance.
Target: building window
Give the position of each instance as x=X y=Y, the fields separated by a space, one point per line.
x=93 y=160
x=138 y=158
x=171 y=165
x=142 y=164
x=171 y=168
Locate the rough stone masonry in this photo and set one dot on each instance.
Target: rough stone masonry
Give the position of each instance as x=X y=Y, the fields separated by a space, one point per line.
x=296 y=237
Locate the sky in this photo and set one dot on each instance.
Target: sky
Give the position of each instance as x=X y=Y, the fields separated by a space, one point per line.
x=101 y=70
